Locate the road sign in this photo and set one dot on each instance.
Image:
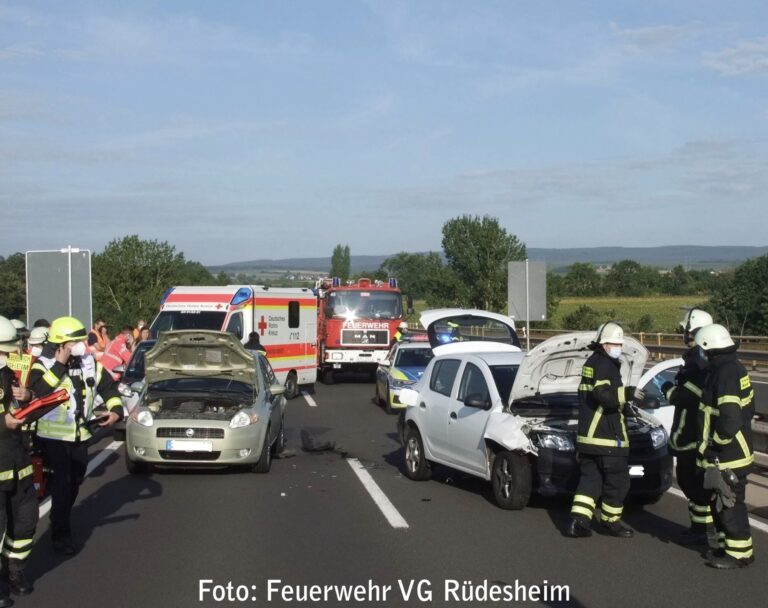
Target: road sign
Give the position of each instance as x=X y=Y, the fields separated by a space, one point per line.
x=527 y=292
x=59 y=284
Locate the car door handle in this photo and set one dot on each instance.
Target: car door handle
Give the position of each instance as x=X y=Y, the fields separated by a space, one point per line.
x=454 y=416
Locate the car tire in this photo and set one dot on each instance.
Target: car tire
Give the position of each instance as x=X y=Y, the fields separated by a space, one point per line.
x=417 y=467
x=279 y=444
x=134 y=467
x=291 y=386
x=511 y=479
x=265 y=458
x=388 y=403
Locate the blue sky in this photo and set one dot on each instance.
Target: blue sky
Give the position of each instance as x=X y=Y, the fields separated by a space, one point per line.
x=244 y=130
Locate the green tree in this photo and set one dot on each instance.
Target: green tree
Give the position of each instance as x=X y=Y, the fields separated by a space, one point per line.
x=582 y=280
x=446 y=289
x=130 y=276
x=628 y=278
x=341 y=262
x=740 y=300
x=13 y=295
x=678 y=282
x=585 y=318
x=194 y=273
x=477 y=251
x=415 y=272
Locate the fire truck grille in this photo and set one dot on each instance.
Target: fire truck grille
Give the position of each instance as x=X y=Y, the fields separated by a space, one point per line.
x=365 y=337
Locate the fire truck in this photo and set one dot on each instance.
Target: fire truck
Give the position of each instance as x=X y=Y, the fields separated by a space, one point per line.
x=356 y=323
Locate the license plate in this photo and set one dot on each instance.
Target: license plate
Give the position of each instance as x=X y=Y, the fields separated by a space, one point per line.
x=636 y=470
x=182 y=445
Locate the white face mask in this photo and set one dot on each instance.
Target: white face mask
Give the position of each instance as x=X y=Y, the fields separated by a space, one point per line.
x=78 y=350
x=614 y=352
x=36 y=351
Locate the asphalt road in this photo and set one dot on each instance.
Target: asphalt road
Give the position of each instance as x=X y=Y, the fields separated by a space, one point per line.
x=149 y=540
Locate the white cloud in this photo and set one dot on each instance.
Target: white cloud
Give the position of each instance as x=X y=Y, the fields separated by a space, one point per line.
x=747 y=57
x=660 y=37
x=20 y=52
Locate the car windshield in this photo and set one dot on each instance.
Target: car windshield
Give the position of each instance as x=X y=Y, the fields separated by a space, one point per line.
x=200 y=385
x=413 y=357
x=504 y=377
x=362 y=304
x=468 y=328
x=169 y=320
x=135 y=369
x=653 y=388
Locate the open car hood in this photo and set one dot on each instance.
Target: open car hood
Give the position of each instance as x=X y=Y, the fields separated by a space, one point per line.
x=554 y=366
x=461 y=326
x=199 y=353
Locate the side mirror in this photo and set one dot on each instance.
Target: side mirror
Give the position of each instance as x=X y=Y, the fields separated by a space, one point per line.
x=137 y=387
x=385 y=363
x=650 y=402
x=477 y=401
x=409 y=397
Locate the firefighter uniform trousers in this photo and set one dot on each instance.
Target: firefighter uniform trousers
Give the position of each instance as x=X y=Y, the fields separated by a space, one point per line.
x=690 y=482
x=733 y=532
x=67 y=461
x=601 y=476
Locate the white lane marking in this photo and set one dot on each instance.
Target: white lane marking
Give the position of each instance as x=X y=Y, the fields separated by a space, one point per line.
x=309 y=399
x=385 y=506
x=45 y=506
x=752 y=522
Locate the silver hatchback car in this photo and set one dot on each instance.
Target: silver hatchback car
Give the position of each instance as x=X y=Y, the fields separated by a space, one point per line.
x=205 y=400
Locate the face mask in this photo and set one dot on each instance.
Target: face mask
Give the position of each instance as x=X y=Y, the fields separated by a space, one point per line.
x=78 y=350
x=614 y=352
x=36 y=351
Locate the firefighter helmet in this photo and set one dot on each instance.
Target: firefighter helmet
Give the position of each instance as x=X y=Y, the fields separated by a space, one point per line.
x=610 y=333
x=403 y=325
x=9 y=338
x=694 y=319
x=713 y=337
x=38 y=335
x=66 y=329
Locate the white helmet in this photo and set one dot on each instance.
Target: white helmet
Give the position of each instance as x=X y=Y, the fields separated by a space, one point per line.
x=694 y=319
x=403 y=325
x=9 y=338
x=38 y=335
x=713 y=337
x=610 y=333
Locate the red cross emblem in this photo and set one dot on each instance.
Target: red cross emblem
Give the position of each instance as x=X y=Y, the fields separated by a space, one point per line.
x=218 y=306
x=262 y=325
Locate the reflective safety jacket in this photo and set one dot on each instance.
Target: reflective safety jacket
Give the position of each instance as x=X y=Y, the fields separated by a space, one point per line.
x=602 y=427
x=15 y=461
x=83 y=380
x=685 y=395
x=725 y=415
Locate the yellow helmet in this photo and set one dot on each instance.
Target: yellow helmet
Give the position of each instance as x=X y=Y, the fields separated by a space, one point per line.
x=66 y=329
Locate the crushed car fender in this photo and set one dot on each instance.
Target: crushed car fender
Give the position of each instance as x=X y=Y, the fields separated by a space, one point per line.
x=509 y=431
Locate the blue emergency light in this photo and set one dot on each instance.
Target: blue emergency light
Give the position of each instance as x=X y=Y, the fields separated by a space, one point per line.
x=392 y=282
x=243 y=295
x=165 y=295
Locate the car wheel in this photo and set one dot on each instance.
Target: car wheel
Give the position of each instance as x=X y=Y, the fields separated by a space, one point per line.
x=134 y=467
x=291 y=386
x=279 y=444
x=265 y=459
x=388 y=402
x=511 y=480
x=416 y=465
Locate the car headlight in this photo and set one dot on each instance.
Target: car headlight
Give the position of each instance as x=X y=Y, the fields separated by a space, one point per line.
x=142 y=416
x=242 y=419
x=124 y=390
x=402 y=383
x=658 y=437
x=556 y=441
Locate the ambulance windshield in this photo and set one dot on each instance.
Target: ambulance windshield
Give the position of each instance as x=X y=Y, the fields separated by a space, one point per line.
x=362 y=304
x=169 y=320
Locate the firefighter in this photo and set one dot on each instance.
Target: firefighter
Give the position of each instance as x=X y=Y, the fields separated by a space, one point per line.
x=602 y=442
x=685 y=394
x=401 y=333
x=725 y=441
x=63 y=433
x=18 y=498
x=37 y=338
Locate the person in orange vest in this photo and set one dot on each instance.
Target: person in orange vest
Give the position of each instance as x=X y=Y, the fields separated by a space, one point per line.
x=96 y=342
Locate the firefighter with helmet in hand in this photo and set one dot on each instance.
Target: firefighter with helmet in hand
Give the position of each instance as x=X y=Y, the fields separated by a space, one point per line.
x=725 y=451
x=602 y=442
x=18 y=497
x=63 y=433
x=685 y=395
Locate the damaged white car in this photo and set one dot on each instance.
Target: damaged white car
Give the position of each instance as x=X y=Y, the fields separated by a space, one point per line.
x=488 y=409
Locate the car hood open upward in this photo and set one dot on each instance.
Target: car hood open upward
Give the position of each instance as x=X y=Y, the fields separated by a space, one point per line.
x=199 y=353
x=554 y=366
x=468 y=330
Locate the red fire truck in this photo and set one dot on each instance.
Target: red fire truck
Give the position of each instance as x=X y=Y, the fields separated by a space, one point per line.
x=356 y=323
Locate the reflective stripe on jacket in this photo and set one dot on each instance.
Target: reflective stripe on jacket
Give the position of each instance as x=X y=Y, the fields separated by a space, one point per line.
x=686 y=396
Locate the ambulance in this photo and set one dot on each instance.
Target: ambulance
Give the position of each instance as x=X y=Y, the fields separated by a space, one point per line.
x=285 y=319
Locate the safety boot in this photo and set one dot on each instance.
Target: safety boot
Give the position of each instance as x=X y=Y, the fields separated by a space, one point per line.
x=5 y=595
x=578 y=529
x=63 y=546
x=19 y=583
x=618 y=529
x=726 y=562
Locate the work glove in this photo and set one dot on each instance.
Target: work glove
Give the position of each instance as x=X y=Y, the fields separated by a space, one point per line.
x=632 y=393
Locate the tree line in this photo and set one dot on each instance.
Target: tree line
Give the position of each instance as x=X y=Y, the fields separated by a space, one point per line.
x=130 y=276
